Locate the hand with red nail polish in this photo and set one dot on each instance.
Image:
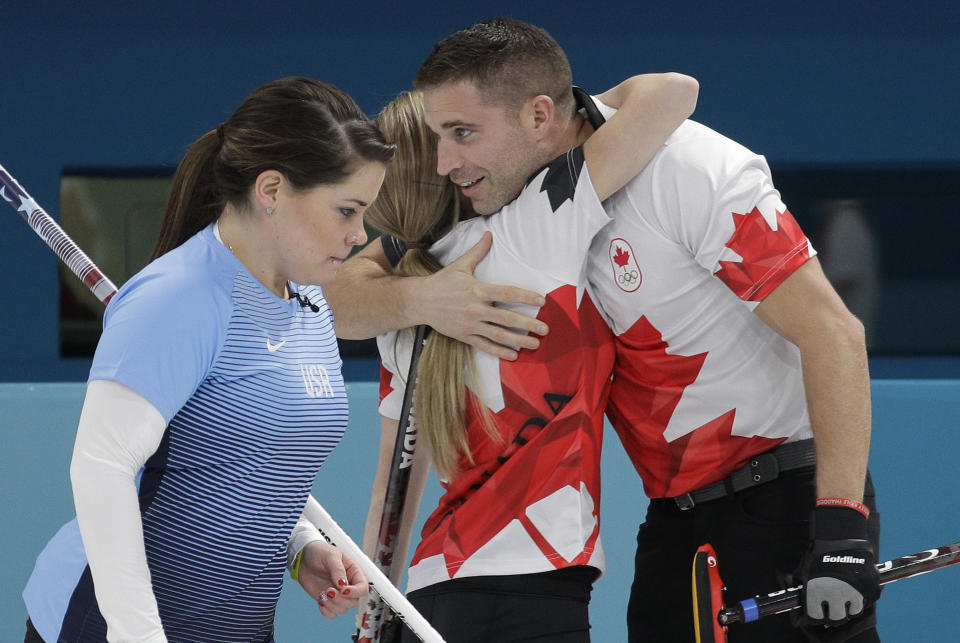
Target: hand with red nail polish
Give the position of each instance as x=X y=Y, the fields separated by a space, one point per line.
x=332 y=578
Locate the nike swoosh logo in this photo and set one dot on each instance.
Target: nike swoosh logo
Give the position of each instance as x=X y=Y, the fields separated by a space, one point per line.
x=275 y=347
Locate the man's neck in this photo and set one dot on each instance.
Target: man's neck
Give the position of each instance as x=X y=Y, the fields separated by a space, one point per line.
x=576 y=131
x=584 y=128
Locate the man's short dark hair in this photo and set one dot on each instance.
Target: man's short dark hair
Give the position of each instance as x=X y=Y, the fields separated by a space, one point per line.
x=509 y=60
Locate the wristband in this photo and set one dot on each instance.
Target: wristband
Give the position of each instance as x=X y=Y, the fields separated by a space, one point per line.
x=295 y=567
x=844 y=502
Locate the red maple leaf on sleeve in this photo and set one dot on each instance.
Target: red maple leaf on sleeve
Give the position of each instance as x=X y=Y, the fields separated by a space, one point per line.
x=769 y=256
x=621 y=258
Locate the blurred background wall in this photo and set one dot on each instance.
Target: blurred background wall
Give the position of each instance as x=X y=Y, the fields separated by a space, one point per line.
x=846 y=100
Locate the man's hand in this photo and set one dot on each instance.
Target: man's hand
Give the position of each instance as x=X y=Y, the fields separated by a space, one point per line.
x=839 y=573
x=331 y=578
x=456 y=304
x=368 y=300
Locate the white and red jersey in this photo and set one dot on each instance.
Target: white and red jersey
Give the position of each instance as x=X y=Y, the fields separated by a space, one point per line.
x=530 y=501
x=701 y=384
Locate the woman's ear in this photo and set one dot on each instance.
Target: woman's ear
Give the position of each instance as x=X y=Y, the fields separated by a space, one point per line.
x=266 y=189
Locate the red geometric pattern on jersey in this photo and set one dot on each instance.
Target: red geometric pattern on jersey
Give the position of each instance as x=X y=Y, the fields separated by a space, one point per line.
x=648 y=385
x=769 y=256
x=552 y=427
x=385 y=379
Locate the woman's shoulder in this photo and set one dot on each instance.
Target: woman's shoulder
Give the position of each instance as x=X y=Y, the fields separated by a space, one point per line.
x=460 y=238
x=190 y=277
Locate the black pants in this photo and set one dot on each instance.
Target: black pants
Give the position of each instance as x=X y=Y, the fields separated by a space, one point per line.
x=551 y=607
x=32 y=636
x=760 y=536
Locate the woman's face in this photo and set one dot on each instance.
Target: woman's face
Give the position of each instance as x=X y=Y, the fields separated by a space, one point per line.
x=315 y=229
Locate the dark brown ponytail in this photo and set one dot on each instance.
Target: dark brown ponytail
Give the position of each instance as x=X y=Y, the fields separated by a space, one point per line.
x=193 y=202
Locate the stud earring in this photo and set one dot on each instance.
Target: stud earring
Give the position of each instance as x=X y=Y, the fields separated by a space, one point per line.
x=269 y=210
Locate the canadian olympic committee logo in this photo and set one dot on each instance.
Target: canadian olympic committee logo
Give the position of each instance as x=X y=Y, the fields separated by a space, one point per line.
x=626 y=271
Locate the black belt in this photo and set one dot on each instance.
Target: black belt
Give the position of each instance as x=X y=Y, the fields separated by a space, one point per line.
x=760 y=469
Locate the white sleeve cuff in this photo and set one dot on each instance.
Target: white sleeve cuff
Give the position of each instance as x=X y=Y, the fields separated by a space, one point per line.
x=302 y=535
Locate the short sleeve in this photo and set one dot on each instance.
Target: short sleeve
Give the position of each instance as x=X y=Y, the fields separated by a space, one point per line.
x=161 y=335
x=718 y=199
x=765 y=246
x=395 y=349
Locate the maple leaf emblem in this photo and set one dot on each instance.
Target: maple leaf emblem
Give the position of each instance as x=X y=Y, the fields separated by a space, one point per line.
x=768 y=255
x=621 y=258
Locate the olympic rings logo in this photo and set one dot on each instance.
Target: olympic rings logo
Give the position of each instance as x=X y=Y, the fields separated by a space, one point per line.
x=626 y=271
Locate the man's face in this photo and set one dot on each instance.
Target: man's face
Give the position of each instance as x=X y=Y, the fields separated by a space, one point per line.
x=484 y=149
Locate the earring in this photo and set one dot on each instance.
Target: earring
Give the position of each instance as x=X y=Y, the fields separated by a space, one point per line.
x=269 y=210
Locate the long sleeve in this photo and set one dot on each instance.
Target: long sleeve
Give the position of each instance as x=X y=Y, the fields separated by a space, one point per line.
x=118 y=431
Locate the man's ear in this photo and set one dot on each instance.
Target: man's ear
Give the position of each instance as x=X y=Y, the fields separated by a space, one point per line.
x=541 y=114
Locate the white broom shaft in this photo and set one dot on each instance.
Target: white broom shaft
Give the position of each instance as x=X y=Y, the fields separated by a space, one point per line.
x=316 y=514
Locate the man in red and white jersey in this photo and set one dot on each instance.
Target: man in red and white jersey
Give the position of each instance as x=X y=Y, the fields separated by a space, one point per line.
x=740 y=391
x=733 y=353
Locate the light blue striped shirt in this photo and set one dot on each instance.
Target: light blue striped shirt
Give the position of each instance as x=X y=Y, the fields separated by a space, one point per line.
x=252 y=390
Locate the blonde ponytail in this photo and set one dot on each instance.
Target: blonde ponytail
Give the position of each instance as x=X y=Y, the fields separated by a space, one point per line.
x=418 y=206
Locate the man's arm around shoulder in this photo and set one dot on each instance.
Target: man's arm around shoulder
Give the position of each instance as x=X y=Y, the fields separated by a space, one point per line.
x=368 y=299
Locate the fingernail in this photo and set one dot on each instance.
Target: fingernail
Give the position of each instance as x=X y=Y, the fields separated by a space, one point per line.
x=341 y=582
x=346 y=592
x=542 y=329
x=331 y=593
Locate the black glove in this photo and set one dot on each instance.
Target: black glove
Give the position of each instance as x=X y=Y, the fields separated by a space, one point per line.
x=839 y=572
